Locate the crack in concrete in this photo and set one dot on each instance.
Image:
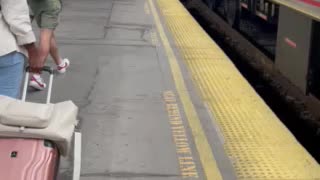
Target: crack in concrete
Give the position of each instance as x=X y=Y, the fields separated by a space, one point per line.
x=131 y=24
x=126 y=174
x=87 y=99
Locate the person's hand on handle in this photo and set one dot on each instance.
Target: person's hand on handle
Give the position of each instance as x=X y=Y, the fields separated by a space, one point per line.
x=34 y=61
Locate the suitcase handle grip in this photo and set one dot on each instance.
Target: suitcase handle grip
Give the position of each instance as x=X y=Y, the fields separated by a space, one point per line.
x=45 y=68
x=26 y=80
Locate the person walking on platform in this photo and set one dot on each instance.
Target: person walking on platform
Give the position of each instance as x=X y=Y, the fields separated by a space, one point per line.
x=46 y=14
x=17 y=41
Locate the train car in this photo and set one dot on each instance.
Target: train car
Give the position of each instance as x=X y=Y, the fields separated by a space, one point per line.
x=296 y=40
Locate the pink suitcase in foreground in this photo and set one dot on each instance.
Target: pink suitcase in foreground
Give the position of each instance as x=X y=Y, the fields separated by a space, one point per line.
x=28 y=159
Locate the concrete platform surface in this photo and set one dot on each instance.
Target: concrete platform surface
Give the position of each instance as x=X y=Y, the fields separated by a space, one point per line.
x=131 y=119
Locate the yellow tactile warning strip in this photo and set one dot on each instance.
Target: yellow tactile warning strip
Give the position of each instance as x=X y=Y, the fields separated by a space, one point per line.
x=259 y=145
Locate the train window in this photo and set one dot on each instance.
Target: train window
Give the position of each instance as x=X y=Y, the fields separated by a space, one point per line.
x=314 y=69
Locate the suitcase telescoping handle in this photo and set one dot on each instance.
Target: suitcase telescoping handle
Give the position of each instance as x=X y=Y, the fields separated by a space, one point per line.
x=26 y=80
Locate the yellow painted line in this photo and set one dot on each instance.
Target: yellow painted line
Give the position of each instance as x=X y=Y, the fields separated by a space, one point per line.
x=188 y=167
x=207 y=159
x=154 y=38
x=146 y=8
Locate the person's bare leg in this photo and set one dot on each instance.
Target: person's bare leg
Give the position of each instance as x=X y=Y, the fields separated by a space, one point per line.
x=43 y=52
x=54 y=50
x=62 y=64
x=45 y=44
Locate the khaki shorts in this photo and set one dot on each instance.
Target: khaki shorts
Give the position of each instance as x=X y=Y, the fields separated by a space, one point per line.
x=45 y=12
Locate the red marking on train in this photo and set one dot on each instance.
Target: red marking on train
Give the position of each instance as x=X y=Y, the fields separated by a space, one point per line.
x=290 y=43
x=312 y=2
x=244 y=5
x=262 y=16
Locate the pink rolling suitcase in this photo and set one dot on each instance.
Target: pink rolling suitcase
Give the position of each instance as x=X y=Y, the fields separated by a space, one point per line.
x=29 y=159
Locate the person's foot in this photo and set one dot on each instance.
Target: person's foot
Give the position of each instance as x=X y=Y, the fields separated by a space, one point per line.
x=62 y=67
x=37 y=82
